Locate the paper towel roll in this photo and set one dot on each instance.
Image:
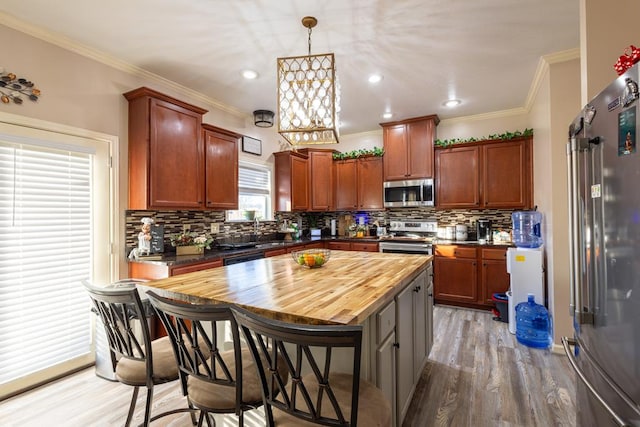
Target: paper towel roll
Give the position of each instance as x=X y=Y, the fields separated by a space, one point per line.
x=333 y=227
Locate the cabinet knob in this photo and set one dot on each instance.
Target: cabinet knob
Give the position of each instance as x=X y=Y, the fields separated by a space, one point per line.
x=396 y=344
x=417 y=289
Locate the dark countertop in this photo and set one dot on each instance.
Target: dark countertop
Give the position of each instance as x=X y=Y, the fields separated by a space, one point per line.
x=170 y=258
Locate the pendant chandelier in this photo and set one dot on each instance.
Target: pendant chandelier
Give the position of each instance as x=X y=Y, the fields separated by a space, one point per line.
x=308 y=96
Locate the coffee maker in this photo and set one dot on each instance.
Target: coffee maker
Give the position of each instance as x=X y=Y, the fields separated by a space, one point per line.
x=483 y=229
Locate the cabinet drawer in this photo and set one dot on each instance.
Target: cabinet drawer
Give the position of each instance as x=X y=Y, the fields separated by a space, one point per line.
x=196 y=267
x=386 y=321
x=464 y=252
x=364 y=247
x=453 y=251
x=275 y=252
x=339 y=246
x=500 y=254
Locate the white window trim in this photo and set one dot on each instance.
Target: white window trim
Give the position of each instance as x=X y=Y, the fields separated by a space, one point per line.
x=24 y=126
x=269 y=167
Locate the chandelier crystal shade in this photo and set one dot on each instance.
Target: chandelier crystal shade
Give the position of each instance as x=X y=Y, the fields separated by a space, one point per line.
x=308 y=97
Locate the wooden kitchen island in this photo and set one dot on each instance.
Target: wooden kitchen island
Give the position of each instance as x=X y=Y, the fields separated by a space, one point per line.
x=390 y=295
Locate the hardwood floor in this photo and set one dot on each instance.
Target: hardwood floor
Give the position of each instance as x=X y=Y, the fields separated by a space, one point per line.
x=477 y=375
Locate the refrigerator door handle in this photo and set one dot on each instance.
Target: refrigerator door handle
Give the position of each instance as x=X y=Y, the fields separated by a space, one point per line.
x=566 y=343
x=578 y=303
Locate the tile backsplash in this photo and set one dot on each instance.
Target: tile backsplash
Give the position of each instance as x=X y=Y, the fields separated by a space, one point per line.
x=200 y=221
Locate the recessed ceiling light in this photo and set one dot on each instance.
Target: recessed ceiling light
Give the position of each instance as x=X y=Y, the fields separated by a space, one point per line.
x=249 y=74
x=452 y=103
x=387 y=115
x=375 y=78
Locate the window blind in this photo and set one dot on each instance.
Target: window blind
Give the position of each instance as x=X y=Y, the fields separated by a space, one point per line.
x=45 y=251
x=253 y=180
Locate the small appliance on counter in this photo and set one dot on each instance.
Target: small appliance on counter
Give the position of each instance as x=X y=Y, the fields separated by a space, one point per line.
x=484 y=230
x=461 y=232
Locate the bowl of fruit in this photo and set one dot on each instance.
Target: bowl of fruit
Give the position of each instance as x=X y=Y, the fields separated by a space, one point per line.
x=311 y=258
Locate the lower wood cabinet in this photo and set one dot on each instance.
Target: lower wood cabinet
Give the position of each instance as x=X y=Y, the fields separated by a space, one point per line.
x=275 y=252
x=404 y=337
x=353 y=246
x=140 y=270
x=469 y=276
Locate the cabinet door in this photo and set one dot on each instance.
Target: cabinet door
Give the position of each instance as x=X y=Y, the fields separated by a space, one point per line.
x=370 y=183
x=176 y=177
x=420 y=351
x=299 y=184
x=320 y=180
x=395 y=152
x=385 y=368
x=291 y=181
x=346 y=190
x=429 y=314
x=457 y=177
x=420 y=149
x=404 y=356
x=221 y=156
x=506 y=175
x=456 y=279
x=494 y=276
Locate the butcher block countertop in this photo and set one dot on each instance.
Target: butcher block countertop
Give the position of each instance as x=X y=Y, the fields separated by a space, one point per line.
x=346 y=290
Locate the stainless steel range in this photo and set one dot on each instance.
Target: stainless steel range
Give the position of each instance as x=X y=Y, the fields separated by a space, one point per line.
x=409 y=237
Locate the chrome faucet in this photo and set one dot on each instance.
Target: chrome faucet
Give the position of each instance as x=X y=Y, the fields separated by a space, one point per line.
x=256 y=225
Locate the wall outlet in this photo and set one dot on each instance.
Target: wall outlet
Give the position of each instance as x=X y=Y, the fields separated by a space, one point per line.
x=186 y=227
x=215 y=228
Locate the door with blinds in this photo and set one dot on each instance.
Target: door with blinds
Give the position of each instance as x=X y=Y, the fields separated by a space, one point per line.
x=55 y=231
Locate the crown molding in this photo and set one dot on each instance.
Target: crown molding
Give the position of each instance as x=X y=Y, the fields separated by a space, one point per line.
x=111 y=61
x=543 y=68
x=485 y=116
x=541 y=71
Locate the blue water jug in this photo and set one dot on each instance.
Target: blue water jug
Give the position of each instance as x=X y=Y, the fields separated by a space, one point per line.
x=526 y=229
x=533 y=324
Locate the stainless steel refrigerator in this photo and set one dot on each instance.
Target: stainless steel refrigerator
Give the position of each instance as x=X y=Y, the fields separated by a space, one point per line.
x=604 y=190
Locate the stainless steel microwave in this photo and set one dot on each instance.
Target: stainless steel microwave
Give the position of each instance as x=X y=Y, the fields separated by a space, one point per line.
x=418 y=192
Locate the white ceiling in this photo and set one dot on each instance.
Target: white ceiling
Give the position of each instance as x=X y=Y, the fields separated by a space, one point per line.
x=483 y=52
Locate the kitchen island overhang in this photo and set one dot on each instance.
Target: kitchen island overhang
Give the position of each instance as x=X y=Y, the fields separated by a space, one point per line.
x=390 y=295
x=347 y=290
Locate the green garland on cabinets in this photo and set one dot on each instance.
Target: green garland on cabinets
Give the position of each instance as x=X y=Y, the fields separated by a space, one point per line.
x=364 y=152
x=501 y=136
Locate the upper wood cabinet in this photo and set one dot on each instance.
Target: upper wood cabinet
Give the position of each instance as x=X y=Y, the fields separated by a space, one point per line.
x=507 y=175
x=166 y=152
x=490 y=174
x=458 y=177
x=370 y=182
x=346 y=189
x=292 y=181
x=321 y=178
x=359 y=184
x=408 y=148
x=221 y=167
